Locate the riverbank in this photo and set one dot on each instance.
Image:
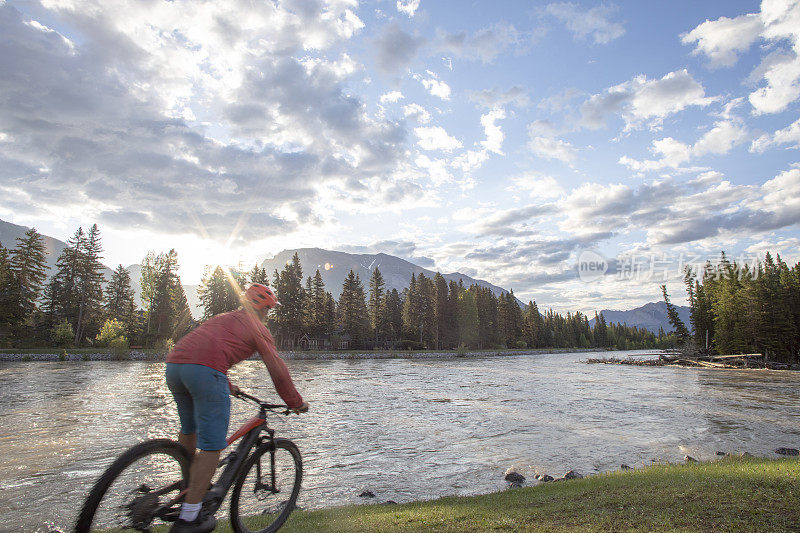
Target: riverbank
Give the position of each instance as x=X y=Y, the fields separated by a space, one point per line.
x=95 y=354
x=732 y=494
x=731 y=362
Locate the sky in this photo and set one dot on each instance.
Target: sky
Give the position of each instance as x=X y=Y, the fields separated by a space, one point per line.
x=579 y=153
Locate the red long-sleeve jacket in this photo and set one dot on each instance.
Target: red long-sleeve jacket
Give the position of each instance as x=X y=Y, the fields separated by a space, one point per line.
x=229 y=338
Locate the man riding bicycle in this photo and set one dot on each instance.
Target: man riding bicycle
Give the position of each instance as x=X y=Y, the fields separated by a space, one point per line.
x=196 y=376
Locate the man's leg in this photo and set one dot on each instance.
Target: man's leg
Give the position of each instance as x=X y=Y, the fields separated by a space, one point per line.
x=204 y=465
x=188 y=441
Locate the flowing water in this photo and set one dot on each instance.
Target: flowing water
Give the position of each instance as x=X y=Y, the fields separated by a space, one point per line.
x=404 y=429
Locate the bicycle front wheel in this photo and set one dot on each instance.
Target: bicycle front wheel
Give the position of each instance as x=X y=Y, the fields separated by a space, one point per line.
x=266 y=489
x=140 y=490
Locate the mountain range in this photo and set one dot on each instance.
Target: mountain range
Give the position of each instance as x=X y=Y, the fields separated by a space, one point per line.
x=334 y=267
x=650 y=316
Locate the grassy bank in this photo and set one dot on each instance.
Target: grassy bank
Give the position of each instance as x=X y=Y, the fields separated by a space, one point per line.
x=727 y=495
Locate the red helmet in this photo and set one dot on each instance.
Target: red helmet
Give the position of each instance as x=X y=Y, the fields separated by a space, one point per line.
x=261 y=297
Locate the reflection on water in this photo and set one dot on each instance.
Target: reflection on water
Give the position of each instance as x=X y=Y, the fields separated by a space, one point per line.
x=405 y=429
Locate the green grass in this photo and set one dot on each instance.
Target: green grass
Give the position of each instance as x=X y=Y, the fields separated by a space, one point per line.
x=727 y=495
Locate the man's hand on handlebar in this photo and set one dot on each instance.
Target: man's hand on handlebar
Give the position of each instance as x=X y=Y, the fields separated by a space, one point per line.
x=302 y=409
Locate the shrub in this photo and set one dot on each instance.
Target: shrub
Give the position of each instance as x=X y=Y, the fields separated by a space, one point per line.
x=119 y=348
x=112 y=330
x=62 y=334
x=169 y=344
x=62 y=356
x=461 y=350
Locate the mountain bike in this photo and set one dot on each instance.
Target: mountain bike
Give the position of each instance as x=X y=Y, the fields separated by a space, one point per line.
x=145 y=486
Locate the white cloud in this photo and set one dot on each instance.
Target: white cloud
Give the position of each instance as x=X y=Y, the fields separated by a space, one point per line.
x=702 y=210
x=780 y=196
x=437 y=169
x=491 y=98
x=707 y=178
x=538 y=185
x=106 y=105
x=778 y=23
x=722 y=40
x=549 y=148
x=417 y=112
x=391 y=97
x=435 y=86
x=471 y=160
x=485 y=44
x=583 y=23
x=407 y=7
x=435 y=138
x=494 y=134
x=672 y=153
x=789 y=135
x=642 y=101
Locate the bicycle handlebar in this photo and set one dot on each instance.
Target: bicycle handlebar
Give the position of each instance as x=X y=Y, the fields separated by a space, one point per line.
x=261 y=403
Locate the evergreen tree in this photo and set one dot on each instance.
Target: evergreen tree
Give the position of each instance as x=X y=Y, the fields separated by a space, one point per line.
x=7 y=290
x=119 y=300
x=288 y=319
x=183 y=322
x=600 y=331
x=318 y=303
x=674 y=319
x=27 y=265
x=217 y=294
x=392 y=315
x=509 y=318
x=444 y=312
x=411 y=324
x=62 y=298
x=258 y=275
x=163 y=297
x=354 y=317
x=376 y=285
x=467 y=319
x=89 y=286
x=329 y=316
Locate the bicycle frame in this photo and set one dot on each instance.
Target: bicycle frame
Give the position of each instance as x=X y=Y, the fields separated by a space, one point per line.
x=250 y=433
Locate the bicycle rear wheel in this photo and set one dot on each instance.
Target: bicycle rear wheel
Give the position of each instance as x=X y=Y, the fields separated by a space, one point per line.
x=140 y=490
x=266 y=489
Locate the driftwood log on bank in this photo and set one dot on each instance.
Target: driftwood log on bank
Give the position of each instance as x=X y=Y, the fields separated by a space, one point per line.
x=752 y=360
x=743 y=361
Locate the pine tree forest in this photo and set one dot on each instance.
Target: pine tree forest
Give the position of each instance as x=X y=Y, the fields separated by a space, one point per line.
x=741 y=309
x=736 y=308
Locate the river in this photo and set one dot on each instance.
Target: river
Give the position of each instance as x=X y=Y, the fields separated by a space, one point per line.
x=406 y=429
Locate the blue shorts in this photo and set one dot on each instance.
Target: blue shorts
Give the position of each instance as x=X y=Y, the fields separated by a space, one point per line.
x=204 y=403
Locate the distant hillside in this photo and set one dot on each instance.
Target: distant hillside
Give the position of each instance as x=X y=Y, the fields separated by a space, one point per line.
x=334 y=267
x=650 y=316
x=10 y=232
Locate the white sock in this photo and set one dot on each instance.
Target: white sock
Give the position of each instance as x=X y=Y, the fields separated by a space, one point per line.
x=189 y=511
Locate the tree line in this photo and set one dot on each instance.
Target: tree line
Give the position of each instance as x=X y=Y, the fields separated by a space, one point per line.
x=740 y=308
x=71 y=307
x=431 y=313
